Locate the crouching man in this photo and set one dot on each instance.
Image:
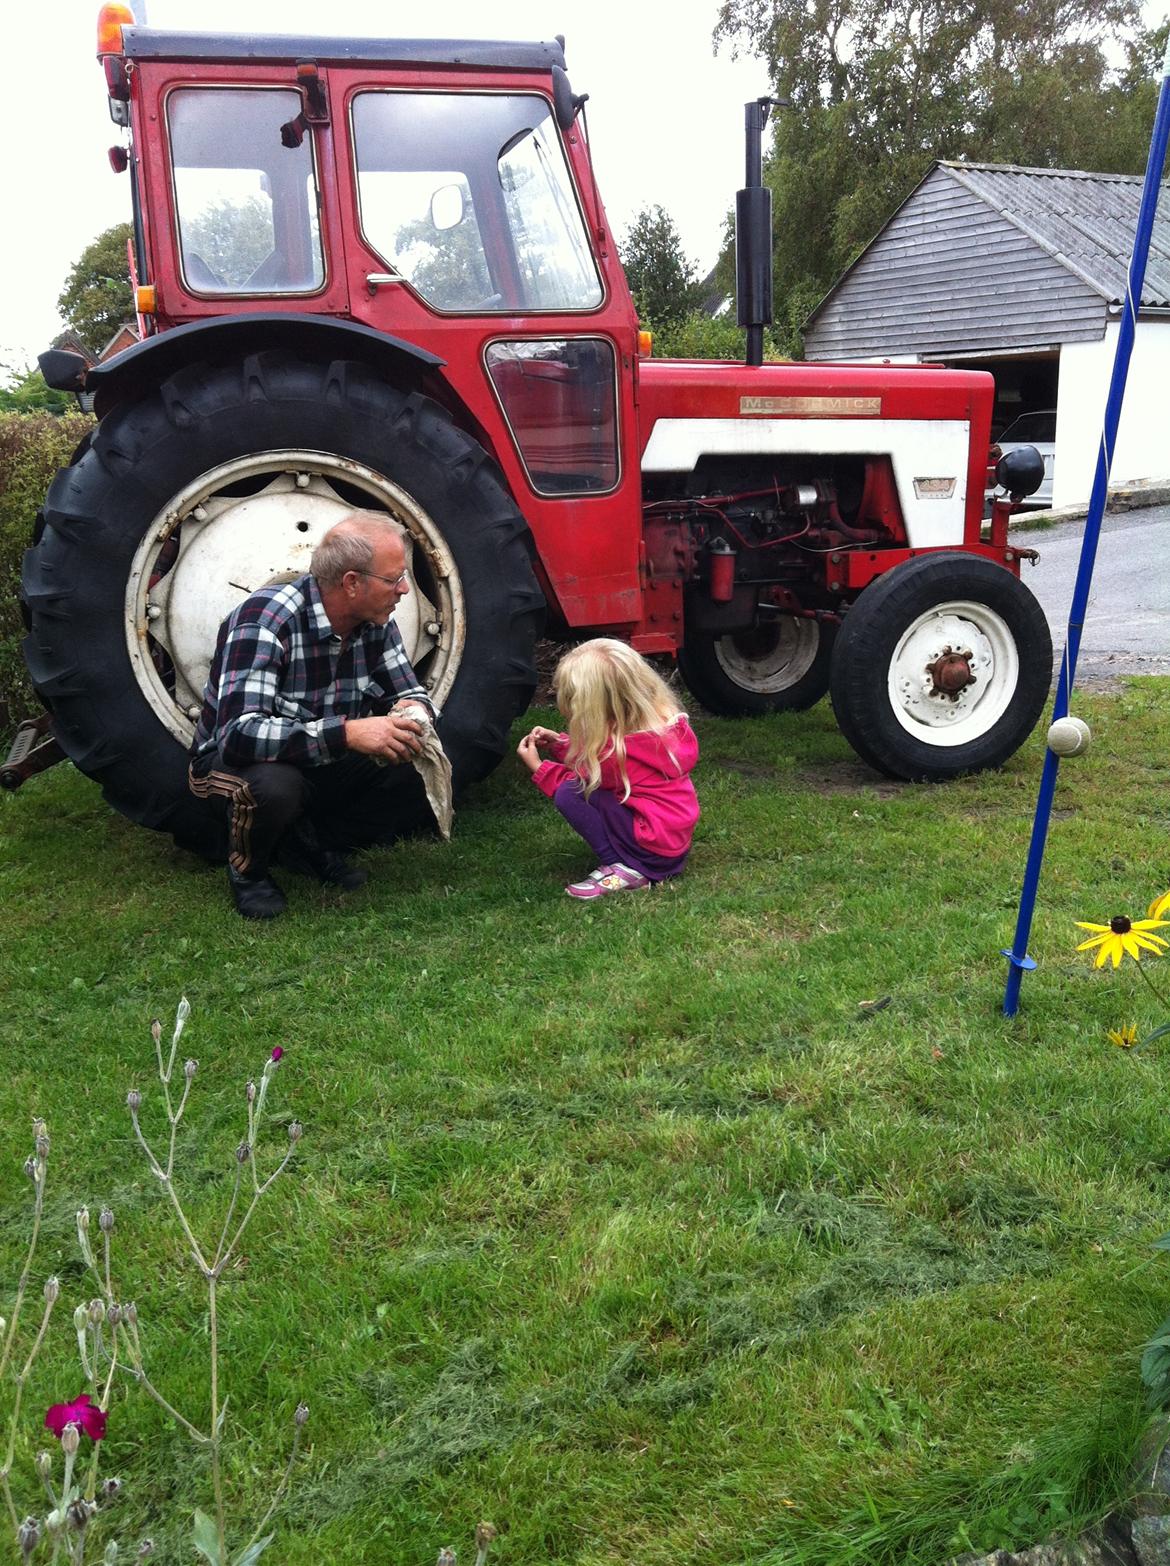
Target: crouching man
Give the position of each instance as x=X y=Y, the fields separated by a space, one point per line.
x=300 y=710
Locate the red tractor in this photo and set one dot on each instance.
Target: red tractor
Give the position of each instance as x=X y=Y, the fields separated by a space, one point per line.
x=378 y=273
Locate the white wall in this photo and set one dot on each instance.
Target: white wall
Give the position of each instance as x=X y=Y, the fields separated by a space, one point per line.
x=1143 y=436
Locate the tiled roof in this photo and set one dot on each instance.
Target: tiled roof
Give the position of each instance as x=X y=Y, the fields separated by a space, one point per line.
x=1085 y=221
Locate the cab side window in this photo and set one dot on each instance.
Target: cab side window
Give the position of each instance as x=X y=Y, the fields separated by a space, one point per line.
x=246 y=205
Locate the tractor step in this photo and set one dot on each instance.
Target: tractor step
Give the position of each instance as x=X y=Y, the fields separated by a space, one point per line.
x=33 y=750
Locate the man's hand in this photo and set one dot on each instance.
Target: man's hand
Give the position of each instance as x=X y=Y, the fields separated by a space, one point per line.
x=527 y=750
x=390 y=739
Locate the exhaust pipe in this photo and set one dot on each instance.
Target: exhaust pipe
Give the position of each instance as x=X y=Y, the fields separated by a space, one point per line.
x=753 y=233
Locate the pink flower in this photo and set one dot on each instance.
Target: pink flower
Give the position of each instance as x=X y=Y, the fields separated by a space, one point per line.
x=277 y=1053
x=82 y=1412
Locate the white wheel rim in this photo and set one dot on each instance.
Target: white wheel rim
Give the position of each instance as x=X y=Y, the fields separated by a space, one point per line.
x=968 y=630
x=206 y=551
x=774 y=668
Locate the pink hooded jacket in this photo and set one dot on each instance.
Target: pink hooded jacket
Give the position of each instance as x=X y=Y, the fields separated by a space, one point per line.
x=662 y=796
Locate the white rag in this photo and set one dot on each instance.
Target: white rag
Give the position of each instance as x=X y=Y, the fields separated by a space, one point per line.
x=433 y=766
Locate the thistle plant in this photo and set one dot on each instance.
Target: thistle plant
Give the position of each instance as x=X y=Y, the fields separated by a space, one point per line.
x=110 y=1343
x=16 y=1360
x=73 y=1504
x=36 y=1169
x=109 y=1337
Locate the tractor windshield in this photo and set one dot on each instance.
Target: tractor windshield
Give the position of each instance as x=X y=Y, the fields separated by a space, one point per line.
x=468 y=196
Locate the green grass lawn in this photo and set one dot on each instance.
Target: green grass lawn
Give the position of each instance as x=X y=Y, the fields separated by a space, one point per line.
x=623 y=1224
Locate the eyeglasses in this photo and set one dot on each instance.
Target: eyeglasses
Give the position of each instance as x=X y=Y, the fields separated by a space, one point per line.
x=390 y=581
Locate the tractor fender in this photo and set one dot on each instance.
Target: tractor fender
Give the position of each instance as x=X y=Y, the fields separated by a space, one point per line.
x=150 y=361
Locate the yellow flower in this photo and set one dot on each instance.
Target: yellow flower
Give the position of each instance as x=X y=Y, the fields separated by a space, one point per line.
x=1160 y=906
x=1124 y=1037
x=1123 y=937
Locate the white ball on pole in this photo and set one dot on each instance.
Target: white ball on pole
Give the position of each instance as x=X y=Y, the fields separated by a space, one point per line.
x=1069 y=737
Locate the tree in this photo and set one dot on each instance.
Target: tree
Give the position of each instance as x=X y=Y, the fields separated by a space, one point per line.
x=26 y=392
x=97 y=297
x=446 y=265
x=662 y=279
x=231 y=237
x=878 y=91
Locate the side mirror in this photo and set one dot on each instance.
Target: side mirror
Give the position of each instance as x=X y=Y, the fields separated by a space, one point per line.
x=565 y=105
x=1020 y=472
x=62 y=370
x=447 y=207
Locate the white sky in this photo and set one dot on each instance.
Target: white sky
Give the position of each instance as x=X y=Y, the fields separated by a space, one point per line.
x=665 y=116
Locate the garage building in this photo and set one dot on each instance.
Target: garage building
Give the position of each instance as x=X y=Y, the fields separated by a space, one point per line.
x=1021 y=272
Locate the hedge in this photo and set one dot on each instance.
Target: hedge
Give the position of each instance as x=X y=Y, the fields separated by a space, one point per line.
x=32 y=447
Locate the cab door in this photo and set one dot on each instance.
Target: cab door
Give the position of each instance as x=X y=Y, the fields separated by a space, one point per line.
x=469 y=237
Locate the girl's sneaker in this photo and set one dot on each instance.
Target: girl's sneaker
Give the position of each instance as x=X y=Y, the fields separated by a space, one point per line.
x=606 y=879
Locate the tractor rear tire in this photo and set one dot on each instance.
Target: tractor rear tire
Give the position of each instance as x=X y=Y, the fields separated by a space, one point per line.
x=781 y=665
x=942 y=667
x=111 y=710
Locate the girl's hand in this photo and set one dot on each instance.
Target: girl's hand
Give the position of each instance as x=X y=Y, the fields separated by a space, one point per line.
x=528 y=752
x=543 y=736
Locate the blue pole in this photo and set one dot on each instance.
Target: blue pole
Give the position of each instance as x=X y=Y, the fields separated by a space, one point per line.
x=1017 y=954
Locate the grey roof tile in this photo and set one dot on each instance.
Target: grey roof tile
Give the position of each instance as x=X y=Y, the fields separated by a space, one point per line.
x=1085 y=221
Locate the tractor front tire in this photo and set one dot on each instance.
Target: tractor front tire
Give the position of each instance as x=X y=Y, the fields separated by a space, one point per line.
x=220 y=479
x=941 y=668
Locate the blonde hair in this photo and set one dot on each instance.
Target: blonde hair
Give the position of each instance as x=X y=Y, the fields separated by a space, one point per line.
x=605 y=691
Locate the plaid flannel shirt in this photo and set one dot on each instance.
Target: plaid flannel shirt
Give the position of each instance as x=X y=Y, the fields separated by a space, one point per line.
x=282 y=682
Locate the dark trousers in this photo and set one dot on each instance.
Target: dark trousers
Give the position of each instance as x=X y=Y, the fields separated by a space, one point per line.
x=608 y=827
x=349 y=803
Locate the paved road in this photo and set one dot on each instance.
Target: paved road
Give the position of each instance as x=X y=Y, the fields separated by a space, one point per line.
x=1127 y=628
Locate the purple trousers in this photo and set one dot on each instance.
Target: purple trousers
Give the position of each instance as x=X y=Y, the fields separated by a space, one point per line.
x=608 y=827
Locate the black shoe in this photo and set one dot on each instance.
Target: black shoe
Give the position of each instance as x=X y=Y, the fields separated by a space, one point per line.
x=302 y=852
x=257 y=896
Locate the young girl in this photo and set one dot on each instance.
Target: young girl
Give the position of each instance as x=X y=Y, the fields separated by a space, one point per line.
x=621 y=775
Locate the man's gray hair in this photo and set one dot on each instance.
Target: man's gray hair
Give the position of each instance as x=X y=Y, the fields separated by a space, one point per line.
x=349 y=545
